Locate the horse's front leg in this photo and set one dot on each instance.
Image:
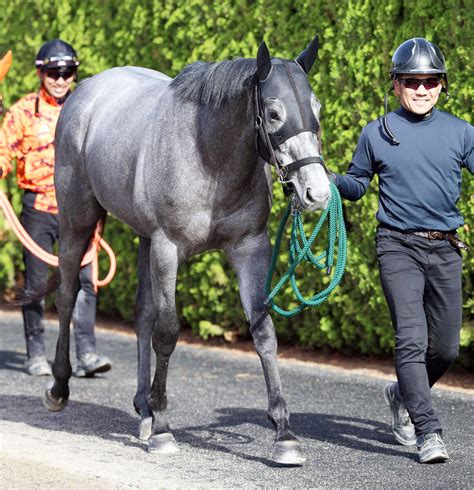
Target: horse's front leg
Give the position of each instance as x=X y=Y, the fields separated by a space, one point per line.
x=250 y=259
x=164 y=266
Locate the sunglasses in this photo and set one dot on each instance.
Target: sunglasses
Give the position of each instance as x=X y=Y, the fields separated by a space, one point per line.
x=414 y=83
x=57 y=74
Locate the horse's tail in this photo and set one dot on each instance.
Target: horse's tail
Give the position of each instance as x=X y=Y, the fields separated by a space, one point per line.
x=24 y=296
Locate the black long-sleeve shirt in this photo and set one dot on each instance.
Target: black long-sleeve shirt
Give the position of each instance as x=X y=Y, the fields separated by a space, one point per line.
x=420 y=179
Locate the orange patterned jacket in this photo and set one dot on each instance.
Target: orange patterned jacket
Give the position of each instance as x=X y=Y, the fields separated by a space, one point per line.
x=30 y=139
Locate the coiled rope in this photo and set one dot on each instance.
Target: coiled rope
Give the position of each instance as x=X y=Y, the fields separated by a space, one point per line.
x=35 y=249
x=300 y=250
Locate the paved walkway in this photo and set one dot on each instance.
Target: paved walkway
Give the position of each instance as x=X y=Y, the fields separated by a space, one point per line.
x=217 y=403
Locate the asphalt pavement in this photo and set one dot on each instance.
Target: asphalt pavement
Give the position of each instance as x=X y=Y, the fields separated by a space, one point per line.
x=217 y=406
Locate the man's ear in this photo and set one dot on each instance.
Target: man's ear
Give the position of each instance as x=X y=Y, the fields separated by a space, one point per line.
x=40 y=74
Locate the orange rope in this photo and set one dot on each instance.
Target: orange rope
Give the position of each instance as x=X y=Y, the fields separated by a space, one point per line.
x=5 y=64
x=35 y=249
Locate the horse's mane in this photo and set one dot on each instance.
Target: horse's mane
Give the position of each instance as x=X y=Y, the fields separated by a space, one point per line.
x=214 y=84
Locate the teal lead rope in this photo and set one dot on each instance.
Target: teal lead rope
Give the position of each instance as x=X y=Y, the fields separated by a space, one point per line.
x=300 y=250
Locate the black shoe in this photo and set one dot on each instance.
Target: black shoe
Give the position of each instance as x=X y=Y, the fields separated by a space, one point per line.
x=431 y=448
x=90 y=364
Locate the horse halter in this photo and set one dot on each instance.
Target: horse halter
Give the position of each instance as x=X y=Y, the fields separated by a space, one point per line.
x=301 y=119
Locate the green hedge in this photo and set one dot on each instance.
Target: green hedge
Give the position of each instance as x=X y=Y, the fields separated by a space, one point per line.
x=350 y=78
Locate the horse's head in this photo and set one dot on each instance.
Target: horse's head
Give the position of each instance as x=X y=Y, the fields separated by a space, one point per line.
x=288 y=125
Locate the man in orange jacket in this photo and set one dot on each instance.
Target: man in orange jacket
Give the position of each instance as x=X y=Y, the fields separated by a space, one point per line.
x=28 y=135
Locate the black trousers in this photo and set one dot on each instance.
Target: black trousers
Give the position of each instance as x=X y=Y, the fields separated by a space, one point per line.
x=421 y=280
x=43 y=229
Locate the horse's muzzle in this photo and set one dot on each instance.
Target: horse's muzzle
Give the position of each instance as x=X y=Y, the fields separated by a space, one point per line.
x=311 y=186
x=315 y=200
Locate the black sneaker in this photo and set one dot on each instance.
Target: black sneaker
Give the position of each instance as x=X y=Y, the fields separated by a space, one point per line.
x=402 y=426
x=38 y=366
x=90 y=364
x=431 y=448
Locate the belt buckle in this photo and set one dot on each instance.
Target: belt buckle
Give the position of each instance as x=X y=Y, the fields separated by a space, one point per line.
x=435 y=235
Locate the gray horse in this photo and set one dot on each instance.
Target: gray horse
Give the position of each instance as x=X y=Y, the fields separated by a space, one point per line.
x=180 y=161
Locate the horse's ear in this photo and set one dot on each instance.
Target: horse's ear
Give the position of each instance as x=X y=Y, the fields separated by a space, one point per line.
x=307 y=57
x=264 y=62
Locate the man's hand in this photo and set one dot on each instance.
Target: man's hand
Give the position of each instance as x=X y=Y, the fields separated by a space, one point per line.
x=333 y=178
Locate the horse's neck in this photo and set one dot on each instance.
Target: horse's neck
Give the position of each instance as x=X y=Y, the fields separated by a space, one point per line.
x=228 y=139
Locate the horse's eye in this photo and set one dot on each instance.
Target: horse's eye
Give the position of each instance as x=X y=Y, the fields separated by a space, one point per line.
x=273 y=115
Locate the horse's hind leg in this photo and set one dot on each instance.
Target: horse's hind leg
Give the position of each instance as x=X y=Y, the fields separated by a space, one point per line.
x=164 y=266
x=73 y=242
x=251 y=261
x=145 y=319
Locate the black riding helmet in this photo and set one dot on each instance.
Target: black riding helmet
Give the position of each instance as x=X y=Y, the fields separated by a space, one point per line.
x=419 y=56
x=56 y=54
x=416 y=56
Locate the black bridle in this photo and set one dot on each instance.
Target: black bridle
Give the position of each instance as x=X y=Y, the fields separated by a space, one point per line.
x=266 y=144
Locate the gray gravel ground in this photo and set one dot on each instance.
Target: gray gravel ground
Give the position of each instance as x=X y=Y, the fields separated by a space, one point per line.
x=217 y=402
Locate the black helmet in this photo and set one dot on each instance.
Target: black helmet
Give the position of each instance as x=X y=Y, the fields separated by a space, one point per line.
x=417 y=56
x=56 y=54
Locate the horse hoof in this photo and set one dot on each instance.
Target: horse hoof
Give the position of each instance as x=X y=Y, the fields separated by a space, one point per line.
x=144 y=429
x=288 y=453
x=162 y=444
x=53 y=404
